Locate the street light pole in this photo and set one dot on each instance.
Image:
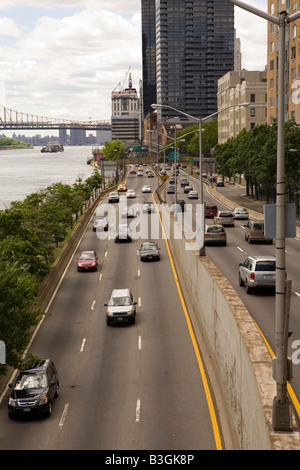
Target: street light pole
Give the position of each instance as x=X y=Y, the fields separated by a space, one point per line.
x=282 y=415
x=202 y=251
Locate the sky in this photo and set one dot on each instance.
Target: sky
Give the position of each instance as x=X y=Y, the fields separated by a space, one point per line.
x=63 y=58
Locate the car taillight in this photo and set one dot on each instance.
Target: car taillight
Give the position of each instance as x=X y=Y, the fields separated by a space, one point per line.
x=252 y=276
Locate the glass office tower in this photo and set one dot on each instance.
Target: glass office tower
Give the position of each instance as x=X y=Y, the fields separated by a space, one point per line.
x=194 y=48
x=149 y=55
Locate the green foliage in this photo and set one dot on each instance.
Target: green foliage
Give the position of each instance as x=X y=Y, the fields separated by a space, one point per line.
x=29 y=234
x=18 y=290
x=254 y=154
x=114 y=150
x=188 y=138
x=7 y=142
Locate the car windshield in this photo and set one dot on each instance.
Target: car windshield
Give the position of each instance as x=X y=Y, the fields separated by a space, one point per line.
x=31 y=381
x=258 y=226
x=265 y=266
x=215 y=229
x=87 y=256
x=225 y=214
x=120 y=302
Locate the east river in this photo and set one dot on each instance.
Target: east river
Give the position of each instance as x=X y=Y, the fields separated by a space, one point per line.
x=25 y=171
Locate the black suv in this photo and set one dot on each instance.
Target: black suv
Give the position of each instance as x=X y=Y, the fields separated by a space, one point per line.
x=34 y=390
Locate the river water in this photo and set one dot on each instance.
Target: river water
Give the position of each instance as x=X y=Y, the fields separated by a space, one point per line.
x=25 y=171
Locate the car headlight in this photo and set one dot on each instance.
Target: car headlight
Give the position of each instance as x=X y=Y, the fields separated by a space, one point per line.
x=110 y=313
x=12 y=402
x=43 y=400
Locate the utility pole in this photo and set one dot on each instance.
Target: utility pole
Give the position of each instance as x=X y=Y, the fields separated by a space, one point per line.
x=282 y=411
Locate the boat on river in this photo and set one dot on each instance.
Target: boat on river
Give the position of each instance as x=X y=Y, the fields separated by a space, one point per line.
x=52 y=148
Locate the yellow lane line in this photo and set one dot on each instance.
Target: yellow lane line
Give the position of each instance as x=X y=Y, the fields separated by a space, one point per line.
x=195 y=345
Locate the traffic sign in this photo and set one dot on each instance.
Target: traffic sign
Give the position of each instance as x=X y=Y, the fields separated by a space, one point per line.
x=172 y=157
x=164 y=177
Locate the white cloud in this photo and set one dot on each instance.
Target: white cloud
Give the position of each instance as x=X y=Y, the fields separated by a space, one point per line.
x=9 y=28
x=120 y=6
x=77 y=60
x=252 y=30
x=66 y=63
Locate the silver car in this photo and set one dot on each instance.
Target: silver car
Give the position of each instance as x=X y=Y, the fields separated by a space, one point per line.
x=240 y=213
x=257 y=272
x=224 y=218
x=120 y=307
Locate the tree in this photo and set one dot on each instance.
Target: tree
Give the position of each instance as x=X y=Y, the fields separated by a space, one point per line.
x=114 y=150
x=18 y=292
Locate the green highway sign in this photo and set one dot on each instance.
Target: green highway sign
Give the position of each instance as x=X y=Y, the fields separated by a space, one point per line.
x=171 y=157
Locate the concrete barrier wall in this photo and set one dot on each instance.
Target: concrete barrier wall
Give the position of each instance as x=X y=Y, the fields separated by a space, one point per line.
x=242 y=358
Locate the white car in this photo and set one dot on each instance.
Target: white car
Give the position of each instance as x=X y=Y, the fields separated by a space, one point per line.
x=146 y=189
x=193 y=195
x=130 y=193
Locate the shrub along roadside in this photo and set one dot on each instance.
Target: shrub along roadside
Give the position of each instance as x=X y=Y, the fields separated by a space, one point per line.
x=30 y=232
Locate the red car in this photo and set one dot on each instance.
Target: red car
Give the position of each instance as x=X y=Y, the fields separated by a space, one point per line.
x=211 y=210
x=187 y=189
x=87 y=261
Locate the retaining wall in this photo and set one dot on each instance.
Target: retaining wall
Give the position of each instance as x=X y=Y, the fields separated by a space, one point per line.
x=243 y=361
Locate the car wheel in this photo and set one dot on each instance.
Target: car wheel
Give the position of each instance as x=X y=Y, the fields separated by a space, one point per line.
x=248 y=289
x=241 y=282
x=108 y=322
x=56 y=391
x=133 y=321
x=11 y=415
x=49 y=411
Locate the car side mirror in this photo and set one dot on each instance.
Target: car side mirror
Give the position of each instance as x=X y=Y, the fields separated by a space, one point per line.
x=105 y=305
x=134 y=303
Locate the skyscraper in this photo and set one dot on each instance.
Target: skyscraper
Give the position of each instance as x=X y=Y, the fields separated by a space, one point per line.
x=148 y=55
x=194 y=48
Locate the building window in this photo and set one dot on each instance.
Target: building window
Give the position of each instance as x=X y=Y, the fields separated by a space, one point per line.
x=271 y=102
x=252 y=97
x=272 y=46
x=271 y=65
x=294 y=31
x=252 y=112
x=271 y=83
x=293 y=52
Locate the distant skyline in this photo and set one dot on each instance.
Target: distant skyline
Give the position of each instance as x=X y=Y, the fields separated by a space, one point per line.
x=64 y=58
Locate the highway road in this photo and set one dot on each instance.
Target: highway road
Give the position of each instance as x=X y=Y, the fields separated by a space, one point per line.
x=124 y=387
x=261 y=305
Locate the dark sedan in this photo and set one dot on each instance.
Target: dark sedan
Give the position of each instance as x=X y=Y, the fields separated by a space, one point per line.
x=123 y=233
x=149 y=251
